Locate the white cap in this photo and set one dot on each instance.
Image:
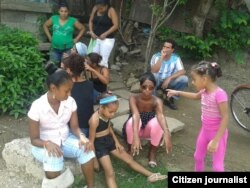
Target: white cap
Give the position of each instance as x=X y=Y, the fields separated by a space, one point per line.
x=81 y=48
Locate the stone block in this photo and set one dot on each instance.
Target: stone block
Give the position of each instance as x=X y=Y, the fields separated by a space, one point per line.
x=123 y=93
x=174 y=125
x=18 y=157
x=118 y=123
x=116 y=85
x=123 y=107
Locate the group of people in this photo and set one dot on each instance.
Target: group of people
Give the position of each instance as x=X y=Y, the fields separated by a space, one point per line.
x=63 y=123
x=103 y=24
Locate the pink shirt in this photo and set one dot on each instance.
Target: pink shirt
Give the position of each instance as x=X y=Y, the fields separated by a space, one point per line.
x=210 y=112
x=53 y=127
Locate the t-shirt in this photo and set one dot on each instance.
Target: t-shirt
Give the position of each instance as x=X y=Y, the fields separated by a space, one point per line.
x=53 y=126
x=82 y=92
x=168 y=67
x=210 y=112
x=62 y=36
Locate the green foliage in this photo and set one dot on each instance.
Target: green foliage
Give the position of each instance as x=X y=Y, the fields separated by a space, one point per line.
x=190 y=45
x=230 y=33
x=233 y=30
x=157 y=9
x=21 y=71
x=195 y=45
x=40 y=21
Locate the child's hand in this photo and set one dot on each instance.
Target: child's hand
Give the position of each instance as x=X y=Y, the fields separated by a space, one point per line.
x=172 y=92
x=85 y=141
x=53 y=149
x=212 y=146
x=89 y=146
x=119 y=147
x=136 y=146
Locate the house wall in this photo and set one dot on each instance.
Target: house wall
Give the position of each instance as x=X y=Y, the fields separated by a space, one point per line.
x=25 y=14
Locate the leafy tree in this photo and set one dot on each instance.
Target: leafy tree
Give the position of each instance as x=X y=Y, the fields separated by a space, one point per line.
x=160 y=14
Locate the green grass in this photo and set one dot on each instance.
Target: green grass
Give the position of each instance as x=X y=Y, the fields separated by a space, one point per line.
x=125 y=177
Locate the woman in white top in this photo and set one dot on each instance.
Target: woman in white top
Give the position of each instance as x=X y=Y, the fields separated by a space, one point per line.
x=51 y=141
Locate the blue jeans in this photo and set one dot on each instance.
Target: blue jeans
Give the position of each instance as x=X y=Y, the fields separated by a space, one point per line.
x=56 y=55
x=180 y=83
x=96 y=95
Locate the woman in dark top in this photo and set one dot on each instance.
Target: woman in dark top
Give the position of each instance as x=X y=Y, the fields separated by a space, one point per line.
x=147 y=120
x=106 y=143
x=103 y=23
x=82 y=90
x=99 y=75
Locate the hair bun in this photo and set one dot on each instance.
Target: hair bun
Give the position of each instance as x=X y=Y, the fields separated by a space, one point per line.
x=50 y=67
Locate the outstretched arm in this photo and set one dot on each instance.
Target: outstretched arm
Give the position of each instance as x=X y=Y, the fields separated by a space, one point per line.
x=190 y=95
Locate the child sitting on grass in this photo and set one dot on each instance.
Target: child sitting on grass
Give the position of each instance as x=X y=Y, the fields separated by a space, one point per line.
x=106 y=142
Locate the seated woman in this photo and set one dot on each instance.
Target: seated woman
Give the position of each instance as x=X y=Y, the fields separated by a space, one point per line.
x=99 y=75
x=146 y=120
x=82 y=90
x=106 y=143
x=48 y=118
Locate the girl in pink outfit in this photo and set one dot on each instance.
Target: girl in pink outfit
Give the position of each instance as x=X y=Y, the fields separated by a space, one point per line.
x=147 y=120
x=213 y=134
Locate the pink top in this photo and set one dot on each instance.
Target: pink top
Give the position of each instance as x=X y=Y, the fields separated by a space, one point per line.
x=53 y=127
x=210 y=112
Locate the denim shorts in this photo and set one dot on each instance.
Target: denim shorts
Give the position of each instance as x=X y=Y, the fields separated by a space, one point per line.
x=70 y=149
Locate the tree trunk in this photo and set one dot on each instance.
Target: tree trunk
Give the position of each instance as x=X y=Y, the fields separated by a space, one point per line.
x=149 y=49
x=200 y=17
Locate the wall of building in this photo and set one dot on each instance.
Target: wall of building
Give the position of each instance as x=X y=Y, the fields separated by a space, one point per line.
x=25 y=14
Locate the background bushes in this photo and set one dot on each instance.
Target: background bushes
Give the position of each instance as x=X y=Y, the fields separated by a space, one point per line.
x=21 y=71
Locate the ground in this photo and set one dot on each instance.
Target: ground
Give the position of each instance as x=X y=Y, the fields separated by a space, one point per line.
x=181 y=158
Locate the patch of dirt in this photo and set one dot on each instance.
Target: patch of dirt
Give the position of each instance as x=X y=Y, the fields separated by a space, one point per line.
x=238 y=152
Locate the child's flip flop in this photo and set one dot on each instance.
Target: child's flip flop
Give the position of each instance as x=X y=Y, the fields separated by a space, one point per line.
x=152 y=164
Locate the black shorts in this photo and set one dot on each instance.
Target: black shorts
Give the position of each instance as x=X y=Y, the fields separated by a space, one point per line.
x=104 y=145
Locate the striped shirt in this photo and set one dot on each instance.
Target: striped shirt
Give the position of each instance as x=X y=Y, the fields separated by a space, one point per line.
x=168 y=67
x=210 y=112
x=53 y=126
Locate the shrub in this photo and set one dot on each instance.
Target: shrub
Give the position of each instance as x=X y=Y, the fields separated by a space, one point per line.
x=21 y=71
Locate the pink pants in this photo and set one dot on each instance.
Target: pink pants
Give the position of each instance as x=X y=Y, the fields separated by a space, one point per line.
x=152 y=131
x=204 y=137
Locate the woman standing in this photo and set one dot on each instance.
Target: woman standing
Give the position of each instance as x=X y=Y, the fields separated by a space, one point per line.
x=103 y=23
x=63 y=27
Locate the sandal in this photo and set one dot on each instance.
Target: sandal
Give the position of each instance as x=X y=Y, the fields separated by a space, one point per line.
x=152 y=164
x=156 y=177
